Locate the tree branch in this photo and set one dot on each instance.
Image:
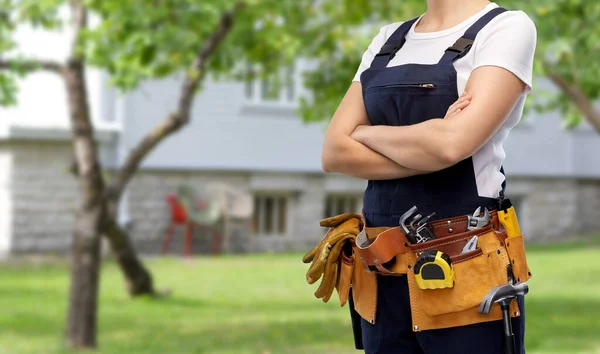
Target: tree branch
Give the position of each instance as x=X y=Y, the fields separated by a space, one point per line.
x=79 y=13
x=578 y=97
x=181 y=116
x=32 y=65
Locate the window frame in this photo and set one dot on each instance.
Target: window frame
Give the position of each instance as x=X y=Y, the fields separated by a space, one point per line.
x=335 y=198
x=290 y=76
x=260 y=200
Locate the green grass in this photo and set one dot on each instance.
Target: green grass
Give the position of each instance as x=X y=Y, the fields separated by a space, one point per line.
x=261 y=304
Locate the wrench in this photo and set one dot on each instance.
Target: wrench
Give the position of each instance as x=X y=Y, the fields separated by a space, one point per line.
x=476 y=220
x=414 y=220
x=405 y=217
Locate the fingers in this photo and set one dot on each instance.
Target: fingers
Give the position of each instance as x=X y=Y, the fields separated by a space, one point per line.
x=463 y=101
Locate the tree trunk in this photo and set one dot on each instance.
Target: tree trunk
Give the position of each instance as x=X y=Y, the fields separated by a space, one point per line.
x=139 y=280
x=90 y=219
x=85 y=271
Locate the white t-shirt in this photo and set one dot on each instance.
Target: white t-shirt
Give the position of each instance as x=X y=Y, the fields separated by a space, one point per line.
x=508 y=41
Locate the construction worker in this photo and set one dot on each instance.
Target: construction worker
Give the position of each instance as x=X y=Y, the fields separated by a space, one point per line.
x=424 y=121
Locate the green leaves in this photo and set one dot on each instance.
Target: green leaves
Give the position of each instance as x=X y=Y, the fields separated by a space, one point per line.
x=8 y=89
x=568 y=44
x=39 y=13
x=145 y=39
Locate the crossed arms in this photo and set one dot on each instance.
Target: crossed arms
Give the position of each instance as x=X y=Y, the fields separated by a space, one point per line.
x=355 y=148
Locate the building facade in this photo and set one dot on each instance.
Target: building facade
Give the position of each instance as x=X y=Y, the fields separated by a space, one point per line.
x=252 y=139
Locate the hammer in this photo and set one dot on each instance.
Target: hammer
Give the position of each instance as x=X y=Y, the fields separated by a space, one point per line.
x=503 y=295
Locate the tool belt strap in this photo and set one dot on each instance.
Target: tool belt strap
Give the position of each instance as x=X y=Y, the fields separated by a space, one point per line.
x=377 y=247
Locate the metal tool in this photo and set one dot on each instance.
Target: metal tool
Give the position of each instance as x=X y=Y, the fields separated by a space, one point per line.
x=476 y=220
x=504 y=295
x=471 y=245
x=417 y=231
x=405 y=217
x=423 y=233
x=414 y=220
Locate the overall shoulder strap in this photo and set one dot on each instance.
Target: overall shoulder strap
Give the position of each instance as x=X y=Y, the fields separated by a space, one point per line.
x=462 y=46
x=392 y=45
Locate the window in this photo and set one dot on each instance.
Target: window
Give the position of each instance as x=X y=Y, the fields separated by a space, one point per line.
x=271 y=88
x=341 y=204
x=270 y=215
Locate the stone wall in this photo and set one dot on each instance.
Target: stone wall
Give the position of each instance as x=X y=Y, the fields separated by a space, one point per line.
x=588 y=213
x=44 y=196
x=555 y=209
x=39 y=199
x=306 y=193
x=149 y=214
x=307 y=231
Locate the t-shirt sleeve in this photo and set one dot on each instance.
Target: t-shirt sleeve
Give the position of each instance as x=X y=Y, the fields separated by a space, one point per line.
x=509 y=43
x=374 y=48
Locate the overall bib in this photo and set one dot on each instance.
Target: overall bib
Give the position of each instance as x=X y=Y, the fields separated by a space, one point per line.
x=399 y=96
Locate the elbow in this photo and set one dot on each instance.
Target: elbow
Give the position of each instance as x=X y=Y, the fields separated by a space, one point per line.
x=331 y=158
x=328 y=163
x=451 y=154
x=451 y=148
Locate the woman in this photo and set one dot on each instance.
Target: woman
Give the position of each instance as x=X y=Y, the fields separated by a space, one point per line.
x=425 y=124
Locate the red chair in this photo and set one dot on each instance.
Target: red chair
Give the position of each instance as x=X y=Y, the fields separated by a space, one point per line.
x=179 y=217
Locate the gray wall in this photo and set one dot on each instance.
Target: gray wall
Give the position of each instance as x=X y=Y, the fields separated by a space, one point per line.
x=228 y=132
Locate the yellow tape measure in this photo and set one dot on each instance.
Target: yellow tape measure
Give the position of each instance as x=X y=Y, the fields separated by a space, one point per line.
x=433 y=270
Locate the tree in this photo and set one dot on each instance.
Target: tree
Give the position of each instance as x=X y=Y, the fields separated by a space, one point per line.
x=135 y=41
x=142 y=40
x=150 y=39
x=566 y=54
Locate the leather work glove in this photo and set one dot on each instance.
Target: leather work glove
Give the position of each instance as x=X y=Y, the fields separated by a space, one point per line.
x=326 y=256
x=332 y=223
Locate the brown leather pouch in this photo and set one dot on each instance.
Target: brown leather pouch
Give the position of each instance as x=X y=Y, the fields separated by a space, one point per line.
x=516 y=253
x=364 y=292
x=346 y=268
x=475 y=274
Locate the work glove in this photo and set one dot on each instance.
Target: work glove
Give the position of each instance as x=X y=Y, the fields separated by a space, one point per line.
x=332 y=223
x=326 y=256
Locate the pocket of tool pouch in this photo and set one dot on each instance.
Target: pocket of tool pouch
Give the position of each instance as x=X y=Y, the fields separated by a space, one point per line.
x=475 y=274
x=515 y=248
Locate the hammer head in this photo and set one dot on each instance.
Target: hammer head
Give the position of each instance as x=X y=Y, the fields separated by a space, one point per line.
x=500 y=293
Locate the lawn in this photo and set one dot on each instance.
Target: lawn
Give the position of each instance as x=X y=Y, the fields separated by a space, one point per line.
x=261 y=304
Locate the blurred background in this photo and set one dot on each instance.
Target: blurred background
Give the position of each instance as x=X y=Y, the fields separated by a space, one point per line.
x=166 y=156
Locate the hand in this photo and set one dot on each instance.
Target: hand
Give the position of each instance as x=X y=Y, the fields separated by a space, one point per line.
x=359 y=133
x=463 y=101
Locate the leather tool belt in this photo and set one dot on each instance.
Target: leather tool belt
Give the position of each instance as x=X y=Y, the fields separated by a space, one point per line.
x=378 y=247
x=497 y=260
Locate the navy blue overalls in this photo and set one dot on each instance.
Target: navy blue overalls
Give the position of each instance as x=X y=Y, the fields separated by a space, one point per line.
x=404 y=95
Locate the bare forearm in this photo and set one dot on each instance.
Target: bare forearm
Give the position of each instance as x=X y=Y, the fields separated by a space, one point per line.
x=470 y=122
x=354 y=159
x=421 y=146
